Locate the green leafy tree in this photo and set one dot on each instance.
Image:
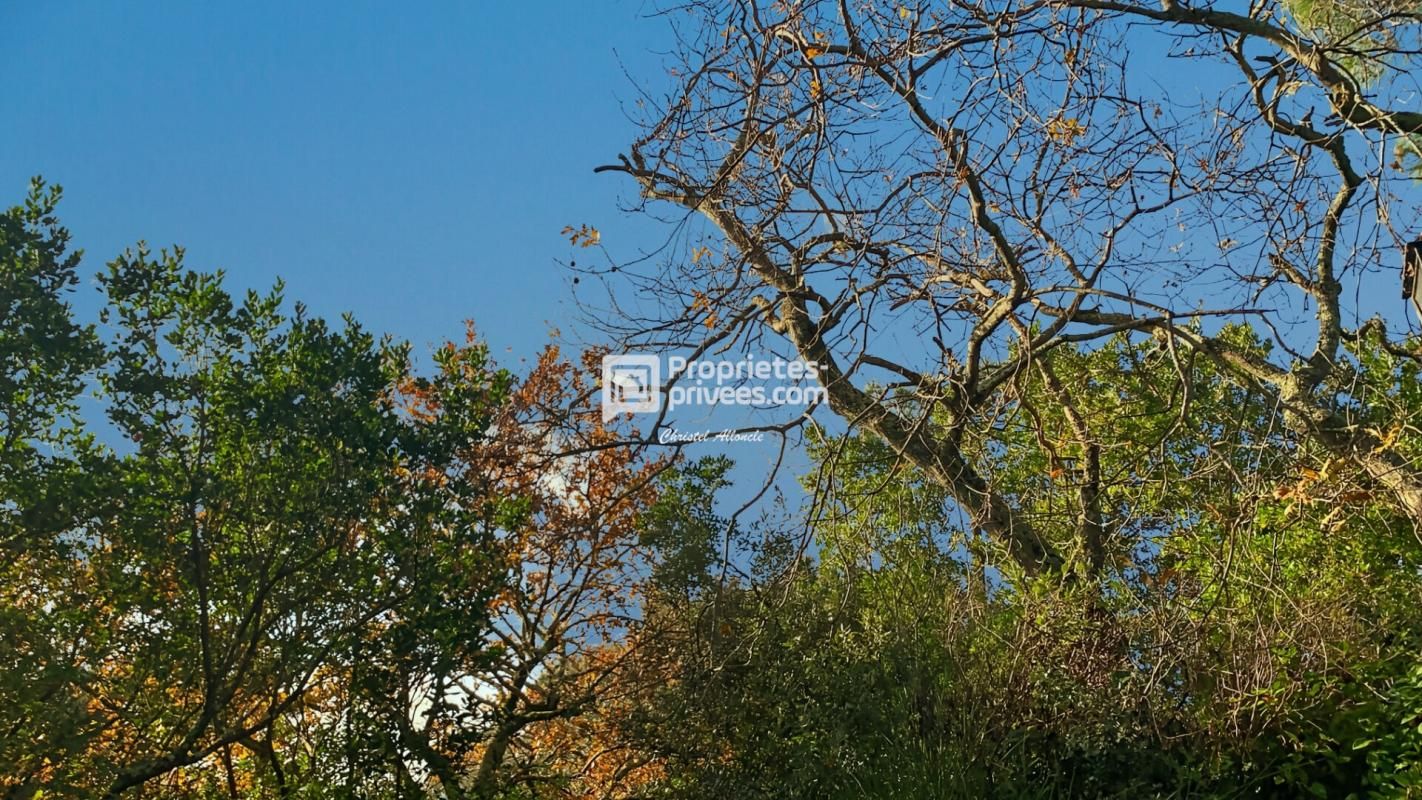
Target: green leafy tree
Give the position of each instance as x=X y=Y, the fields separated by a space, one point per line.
x=266 y=512
x=45 y=356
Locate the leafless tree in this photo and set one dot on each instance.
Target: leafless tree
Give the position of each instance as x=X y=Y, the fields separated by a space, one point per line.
x=927 y=197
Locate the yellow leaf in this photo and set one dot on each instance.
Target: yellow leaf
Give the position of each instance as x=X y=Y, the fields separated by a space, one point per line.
x=582 y=236
x=813 y=52
x=1385 y=440
x=903 y=12
x=1332 y=521
x=1065 y=130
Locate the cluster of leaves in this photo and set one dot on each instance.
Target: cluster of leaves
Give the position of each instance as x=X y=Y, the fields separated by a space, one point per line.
x=249 y=554
x=195 y=575
x=1255 y=632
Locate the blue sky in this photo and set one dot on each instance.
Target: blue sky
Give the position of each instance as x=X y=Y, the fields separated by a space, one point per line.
x=412 y=168
x=415 y=168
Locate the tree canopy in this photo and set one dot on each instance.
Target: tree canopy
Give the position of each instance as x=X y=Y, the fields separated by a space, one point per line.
x=1116 y=492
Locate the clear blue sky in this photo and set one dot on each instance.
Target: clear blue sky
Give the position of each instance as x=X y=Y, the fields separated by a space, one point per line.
x=413 y=165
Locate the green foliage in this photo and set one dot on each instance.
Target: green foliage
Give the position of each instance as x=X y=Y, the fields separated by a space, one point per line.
x=1253 y=635
x=893 y=687
x=1364 y=740
x=683 y=527
x=43 y=351
x=44 y=456
x=44 y=356
x=267 y=519
x=1367 y=32
x=1408 y=151
x=273 y=577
